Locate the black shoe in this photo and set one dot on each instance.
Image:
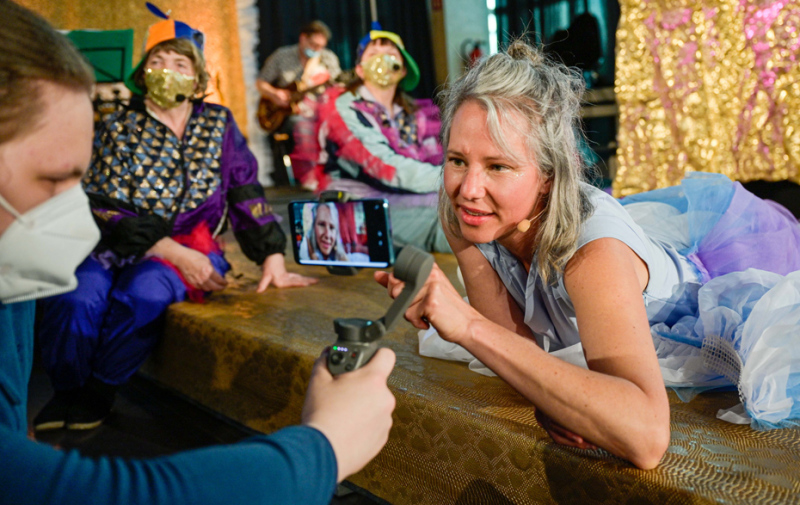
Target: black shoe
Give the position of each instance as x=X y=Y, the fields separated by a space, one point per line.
x=91 y=406
x=53 y=415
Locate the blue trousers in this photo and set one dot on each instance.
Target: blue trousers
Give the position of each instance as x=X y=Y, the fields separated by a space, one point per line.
x=108 y=326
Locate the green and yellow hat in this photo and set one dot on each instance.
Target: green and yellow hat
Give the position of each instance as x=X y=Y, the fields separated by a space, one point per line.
x=411 y=80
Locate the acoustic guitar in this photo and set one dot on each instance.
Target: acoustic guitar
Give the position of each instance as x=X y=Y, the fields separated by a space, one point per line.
x=271 y=115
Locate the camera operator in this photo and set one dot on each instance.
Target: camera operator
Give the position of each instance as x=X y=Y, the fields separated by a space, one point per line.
x=46 y=230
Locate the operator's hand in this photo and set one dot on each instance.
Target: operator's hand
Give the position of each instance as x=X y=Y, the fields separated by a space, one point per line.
x=561 y=435
x=353 y=410
x=437 y=304
x=273 y=271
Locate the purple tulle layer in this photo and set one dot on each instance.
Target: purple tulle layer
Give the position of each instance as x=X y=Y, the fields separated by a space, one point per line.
x=731 y=229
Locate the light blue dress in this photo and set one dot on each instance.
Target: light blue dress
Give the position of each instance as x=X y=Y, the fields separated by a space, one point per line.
x=549 y=312
x=715 y=319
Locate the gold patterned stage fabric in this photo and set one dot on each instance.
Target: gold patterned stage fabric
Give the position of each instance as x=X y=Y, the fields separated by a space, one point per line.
x=217 y=19
x=458 y=437
x=710 y=85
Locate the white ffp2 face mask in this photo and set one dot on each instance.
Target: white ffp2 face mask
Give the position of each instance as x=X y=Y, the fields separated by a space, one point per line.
x=41 y=249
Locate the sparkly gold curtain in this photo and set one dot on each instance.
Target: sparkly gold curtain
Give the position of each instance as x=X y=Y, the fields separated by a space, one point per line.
x=708 y=86
x=216 y=18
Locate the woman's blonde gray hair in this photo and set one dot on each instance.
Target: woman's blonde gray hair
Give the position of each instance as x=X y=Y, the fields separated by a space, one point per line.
x=540 y=100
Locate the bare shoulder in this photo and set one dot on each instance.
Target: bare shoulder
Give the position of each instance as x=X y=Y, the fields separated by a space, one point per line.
x=605 y=262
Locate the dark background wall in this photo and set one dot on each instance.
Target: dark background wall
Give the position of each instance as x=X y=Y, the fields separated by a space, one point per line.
x=349 y=21
x=553 y=22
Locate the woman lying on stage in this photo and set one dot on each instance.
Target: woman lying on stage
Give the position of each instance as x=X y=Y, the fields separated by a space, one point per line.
x=550 y=262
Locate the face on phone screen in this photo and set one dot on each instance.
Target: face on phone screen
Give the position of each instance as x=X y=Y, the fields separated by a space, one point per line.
x=355 y=233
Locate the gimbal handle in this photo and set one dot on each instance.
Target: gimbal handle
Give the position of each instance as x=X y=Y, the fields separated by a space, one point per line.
x=356 y=338
x=413 y=266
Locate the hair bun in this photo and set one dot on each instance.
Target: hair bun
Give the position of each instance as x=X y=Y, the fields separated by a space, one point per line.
x=521 y=50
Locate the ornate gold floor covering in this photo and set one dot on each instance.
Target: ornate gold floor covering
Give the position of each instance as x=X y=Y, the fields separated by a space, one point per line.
x=458 y=437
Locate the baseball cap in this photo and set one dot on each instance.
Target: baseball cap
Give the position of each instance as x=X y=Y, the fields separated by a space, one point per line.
x=411 y=80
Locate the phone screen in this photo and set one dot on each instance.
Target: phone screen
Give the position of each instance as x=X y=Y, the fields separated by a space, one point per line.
x=356 y=233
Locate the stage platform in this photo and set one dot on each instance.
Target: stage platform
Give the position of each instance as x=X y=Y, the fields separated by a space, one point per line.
x=458 y=437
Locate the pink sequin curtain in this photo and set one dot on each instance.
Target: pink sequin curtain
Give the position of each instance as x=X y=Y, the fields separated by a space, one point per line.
x=707 y=86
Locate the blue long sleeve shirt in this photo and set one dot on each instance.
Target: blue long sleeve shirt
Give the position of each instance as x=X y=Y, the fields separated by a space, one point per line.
x=293 y=465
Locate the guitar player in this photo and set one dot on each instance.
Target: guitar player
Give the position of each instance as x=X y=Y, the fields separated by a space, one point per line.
x=286 y=74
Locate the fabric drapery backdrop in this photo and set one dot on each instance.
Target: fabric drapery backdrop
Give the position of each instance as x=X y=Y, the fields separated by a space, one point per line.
x=215 y=18
x=711 y=86
x=349 y=21
x=249 y=23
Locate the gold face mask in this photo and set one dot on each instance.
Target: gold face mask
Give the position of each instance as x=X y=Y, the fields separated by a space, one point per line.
x=168 y=88
x=383 y=70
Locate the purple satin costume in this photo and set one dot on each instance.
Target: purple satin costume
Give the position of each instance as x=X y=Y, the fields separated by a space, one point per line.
x=145 y=184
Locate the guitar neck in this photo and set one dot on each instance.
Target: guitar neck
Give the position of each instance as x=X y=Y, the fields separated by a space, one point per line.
x=301 y=90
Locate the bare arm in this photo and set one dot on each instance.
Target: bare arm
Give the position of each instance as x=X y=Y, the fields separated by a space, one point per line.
x=620 y=403
x=485 y=290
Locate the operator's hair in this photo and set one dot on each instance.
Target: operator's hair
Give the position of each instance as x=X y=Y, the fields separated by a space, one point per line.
x=31 y=52
x=544 y=98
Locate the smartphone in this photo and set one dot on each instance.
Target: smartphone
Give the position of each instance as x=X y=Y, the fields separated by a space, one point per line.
x=357 y=233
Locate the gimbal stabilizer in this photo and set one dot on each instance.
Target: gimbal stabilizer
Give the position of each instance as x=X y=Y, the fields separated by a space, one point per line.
x=357 y=339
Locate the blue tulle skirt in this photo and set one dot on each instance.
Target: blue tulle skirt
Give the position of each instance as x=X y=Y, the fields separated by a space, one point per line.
x=743 y=322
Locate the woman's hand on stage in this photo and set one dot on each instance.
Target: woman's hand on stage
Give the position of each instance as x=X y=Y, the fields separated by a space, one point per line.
x=561 y=435
x=274 y=272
